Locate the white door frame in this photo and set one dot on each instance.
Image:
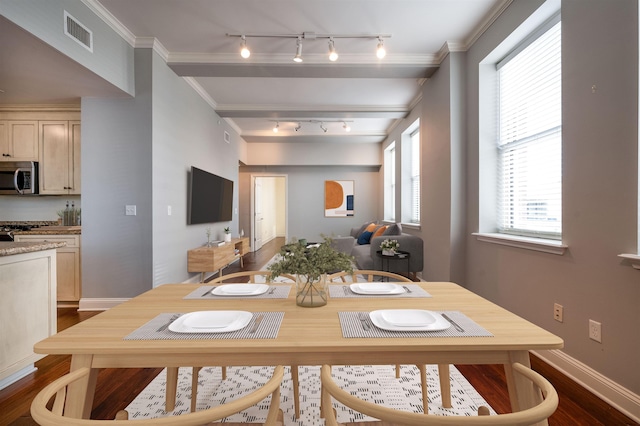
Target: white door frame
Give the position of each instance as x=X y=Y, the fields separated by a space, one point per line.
x=253 y=207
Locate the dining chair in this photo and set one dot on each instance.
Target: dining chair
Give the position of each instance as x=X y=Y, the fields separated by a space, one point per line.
x=45 y=414
x=443 y=369
x=546 y=404
x=172 y=372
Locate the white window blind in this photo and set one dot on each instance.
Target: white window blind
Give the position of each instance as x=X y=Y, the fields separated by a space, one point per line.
x=530 y=139
x=390 y=182
x=415 y=177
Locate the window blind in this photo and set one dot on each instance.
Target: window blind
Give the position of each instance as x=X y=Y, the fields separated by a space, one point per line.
x=415 y=177
x=530 y=139
x=390 y=182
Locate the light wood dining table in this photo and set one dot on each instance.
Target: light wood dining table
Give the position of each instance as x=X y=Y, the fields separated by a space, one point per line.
x=307 y=336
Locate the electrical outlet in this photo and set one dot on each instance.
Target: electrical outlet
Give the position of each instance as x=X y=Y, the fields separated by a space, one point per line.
x=595 y=331
x=130 y=210
x=558 y=311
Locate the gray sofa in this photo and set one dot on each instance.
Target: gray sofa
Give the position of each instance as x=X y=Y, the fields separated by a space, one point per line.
x=365 y=254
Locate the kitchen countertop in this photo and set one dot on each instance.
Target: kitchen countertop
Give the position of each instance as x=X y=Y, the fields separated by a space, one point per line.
x=52 y=230
x=9 y=248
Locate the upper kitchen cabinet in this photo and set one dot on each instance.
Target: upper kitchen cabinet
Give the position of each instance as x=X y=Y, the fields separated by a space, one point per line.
x=59 y=157
x=18 y=140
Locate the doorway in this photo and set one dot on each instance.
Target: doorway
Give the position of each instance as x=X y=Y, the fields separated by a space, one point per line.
x=269 y=209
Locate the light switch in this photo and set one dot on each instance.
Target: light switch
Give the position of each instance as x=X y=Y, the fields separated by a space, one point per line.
x=168 y=210
x=130 y=210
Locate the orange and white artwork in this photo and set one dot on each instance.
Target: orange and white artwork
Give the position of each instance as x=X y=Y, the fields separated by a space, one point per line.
x=338 y=198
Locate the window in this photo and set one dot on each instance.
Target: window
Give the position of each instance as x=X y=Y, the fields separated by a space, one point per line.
x=530 y=138
x=411 y=174
x=415 y=177
x=390 y=182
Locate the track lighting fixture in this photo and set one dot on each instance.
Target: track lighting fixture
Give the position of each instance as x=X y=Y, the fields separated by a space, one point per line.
x=244 y=50
x=380 y=52
x=333 y=55
x=323 y=126
x=298 y=57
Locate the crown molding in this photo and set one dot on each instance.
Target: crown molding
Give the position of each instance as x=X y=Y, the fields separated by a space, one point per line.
x=97 y=8
x=40 y=108
x=488 y=21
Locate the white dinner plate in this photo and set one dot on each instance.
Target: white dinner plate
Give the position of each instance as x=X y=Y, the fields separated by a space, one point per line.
x=240 y=289
x=211 y=322
x=377 y=288
x=408 y=320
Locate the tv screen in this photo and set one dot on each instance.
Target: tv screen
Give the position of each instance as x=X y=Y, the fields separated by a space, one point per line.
x=210 y=198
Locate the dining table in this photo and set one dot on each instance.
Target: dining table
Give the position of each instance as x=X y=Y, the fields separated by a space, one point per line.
x=138 y=333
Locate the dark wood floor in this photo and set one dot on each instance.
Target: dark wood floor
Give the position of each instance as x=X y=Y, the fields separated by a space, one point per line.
x=116 y=388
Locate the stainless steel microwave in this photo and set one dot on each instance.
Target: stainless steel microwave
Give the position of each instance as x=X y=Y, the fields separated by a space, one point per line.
x=18 y=177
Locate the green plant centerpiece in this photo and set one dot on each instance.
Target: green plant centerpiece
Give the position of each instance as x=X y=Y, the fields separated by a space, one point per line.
x=310 y=263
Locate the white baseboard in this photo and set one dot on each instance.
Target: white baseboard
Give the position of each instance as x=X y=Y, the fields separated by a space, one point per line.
x=99 y=304
x=17 y=376
x=606 y=389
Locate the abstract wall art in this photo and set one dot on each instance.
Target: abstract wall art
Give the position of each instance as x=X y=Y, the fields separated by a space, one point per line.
x=338 y=198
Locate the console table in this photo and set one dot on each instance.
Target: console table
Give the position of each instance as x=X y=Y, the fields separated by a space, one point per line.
x=210 y=259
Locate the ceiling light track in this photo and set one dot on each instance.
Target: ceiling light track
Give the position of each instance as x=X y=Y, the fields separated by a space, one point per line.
x=322 y=124
x=333 y=55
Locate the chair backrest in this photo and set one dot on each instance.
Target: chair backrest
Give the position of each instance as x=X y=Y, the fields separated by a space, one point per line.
x=252 y=276
x=539 y=412
x=54 y=416
x=367 y=275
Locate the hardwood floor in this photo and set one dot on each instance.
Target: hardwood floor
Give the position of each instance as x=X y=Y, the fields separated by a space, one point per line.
x=116 y=388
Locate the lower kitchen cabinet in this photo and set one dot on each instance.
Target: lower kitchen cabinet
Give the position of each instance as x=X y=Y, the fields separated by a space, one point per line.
x=68 y=265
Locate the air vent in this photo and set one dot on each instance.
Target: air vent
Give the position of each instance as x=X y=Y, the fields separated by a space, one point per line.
x=77 y=31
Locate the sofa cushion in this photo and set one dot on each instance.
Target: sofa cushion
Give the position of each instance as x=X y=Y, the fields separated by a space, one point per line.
x=365 y=237
x=356 y=232
x=394 y=229
x=379 y=231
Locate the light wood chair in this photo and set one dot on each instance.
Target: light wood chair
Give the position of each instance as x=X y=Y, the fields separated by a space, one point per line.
x=172 y=372
x=443 y=369
x=45 y=416
x=547 y=402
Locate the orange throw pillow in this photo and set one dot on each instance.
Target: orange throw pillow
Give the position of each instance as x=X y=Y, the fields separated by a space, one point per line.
x=379 y=232
x=371 y=227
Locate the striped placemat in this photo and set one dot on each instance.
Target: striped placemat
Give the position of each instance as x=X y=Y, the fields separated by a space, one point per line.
x=152 y=330
x=274 y=292
x=352 y=326
x=343 y=290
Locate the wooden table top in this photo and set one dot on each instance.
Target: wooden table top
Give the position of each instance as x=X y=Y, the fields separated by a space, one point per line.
x=307 y=335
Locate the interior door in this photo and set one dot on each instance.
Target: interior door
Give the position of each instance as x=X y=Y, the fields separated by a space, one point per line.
x=258 y=215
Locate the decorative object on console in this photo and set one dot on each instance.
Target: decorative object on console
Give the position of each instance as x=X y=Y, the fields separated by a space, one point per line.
x=310 y=264
x=338 y=198
x=208 y=238
x=389 y=247
x=227 y=234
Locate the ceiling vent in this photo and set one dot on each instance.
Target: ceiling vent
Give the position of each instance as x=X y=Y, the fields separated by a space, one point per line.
x=74 y=29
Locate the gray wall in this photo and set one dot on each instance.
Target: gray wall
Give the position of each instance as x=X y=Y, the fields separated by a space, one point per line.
x=600 y=192
x=305 y=196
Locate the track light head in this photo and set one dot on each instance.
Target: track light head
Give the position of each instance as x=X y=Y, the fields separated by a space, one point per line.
x=323 y=127
x=346 y=127
x=380 y=51
x=298 y=127
x=298 y=57
x=333 y=55
x=244 y=50
x=275 y=128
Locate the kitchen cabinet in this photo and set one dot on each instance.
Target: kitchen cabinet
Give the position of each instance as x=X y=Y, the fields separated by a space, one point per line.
x=18 y=140
x=68 y=265
x=59 y=146
x=27 y=310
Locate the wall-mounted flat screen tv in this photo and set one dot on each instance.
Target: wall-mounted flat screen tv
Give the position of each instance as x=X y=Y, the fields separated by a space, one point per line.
x=210 y=198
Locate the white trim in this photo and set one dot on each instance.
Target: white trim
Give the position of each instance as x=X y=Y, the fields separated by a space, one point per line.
x=17 y=376
x=634 y=259
x=99 y=304
x=536 y=244
x=619 y=397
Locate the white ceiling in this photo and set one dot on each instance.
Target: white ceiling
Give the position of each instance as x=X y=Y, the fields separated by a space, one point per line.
x=371 y=94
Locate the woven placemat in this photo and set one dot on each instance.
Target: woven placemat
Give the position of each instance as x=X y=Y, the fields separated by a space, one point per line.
x=352 y=326
x=154 y=330
x=274 y=292
x=343 y=290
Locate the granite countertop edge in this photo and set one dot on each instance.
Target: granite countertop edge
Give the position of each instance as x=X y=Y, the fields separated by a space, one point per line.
x=59 y=230
x=9 y=248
